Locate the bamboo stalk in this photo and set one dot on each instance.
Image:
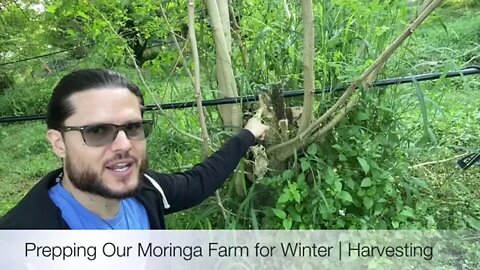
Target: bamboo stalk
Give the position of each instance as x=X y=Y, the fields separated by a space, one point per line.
x=198 y=91
x=227 y=87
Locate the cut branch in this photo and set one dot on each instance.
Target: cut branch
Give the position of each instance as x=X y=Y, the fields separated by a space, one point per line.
x=436 y=161
x=287 y=149
x=308 y=56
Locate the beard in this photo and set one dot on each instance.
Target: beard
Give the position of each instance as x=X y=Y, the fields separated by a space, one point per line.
x=87 y=180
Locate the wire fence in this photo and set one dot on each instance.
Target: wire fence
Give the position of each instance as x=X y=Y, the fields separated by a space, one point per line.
x=473 y=70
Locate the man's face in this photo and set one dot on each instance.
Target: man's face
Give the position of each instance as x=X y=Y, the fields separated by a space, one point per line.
x=113 y=170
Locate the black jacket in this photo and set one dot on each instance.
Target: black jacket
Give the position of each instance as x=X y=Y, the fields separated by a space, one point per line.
x=180 y=190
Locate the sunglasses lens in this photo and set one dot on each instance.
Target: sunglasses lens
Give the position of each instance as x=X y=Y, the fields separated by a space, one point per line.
x=99 y=135
x=104 y=134
x=147 y=127
x=140 y=130
x=135 y=131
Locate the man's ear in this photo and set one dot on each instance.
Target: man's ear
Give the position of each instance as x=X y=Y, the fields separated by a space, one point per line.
x=56 y=140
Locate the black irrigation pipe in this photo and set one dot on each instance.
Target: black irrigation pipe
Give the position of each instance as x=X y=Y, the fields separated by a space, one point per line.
x=72 y=49
x=296 y=93
x=287 y=94
x=42 y=55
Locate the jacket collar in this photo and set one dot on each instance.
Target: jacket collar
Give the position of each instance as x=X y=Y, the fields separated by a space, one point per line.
x=37 y=211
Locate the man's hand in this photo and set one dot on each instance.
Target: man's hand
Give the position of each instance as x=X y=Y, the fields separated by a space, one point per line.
x=256 y=127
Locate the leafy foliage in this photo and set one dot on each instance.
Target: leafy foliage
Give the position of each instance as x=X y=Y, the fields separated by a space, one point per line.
x=356 y=178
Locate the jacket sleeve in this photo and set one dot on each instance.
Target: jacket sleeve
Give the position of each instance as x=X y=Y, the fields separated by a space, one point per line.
x=187 y=189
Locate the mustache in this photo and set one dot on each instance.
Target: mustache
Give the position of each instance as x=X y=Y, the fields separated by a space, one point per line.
x=121 y=156
x=144 y=165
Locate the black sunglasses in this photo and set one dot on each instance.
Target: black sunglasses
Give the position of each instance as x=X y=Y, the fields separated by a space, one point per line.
x=104 y=134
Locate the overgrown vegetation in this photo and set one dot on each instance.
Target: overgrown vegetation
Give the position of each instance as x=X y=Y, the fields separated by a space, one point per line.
x=370 y=172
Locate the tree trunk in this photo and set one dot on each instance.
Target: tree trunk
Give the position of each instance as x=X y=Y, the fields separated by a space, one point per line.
x=227 y=87
x=308 y=55
x=225 y=19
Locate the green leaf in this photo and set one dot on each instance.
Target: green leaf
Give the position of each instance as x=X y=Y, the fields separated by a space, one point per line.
x=337 y=146
x=364 y=164
x=361 y=116
x=381 y=30
x=83 y=15
x=350 y=183
x=305 y=165
x=367 y=202
x=301 y=178
x=288 y=174
x=379 y=209
x=389 y=189
x=296 y=196
x=287 y=224
x=420 y=183
x=337 y=186
x=51 y=9
x=312 y=149
x=428 y=134
x=254 y=220
x=366 y=182
x=473 y=222
x=284 y=197
x=296 y=217
x=342 y=157
x=372 y=191
x=329 y=176
x=345 y=196
x=407 y=212
x=279 y=213
x=395 y=224
x=431 y=220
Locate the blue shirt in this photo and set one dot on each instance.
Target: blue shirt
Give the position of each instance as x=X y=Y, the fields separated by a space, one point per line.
x=131 y=215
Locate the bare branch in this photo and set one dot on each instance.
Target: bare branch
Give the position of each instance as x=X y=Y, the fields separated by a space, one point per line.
x=174 y=37
x=308 y=56
x=436 y=161
x=196 y=78
x=198 y=92
x=154 y=97
x=286 y=149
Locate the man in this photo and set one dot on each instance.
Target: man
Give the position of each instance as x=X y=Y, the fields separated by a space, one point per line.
x=95 y=125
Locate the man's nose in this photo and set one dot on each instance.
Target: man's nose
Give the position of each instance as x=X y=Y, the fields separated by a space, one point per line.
x=121 y=142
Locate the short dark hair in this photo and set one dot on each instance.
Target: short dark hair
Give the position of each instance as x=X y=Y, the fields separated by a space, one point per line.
x=60 y=108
